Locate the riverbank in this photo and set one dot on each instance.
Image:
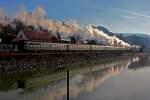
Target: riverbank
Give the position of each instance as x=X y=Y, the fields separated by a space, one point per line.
x=39 y=62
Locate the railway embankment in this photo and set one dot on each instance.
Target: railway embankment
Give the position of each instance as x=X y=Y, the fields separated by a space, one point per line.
x=32 y=62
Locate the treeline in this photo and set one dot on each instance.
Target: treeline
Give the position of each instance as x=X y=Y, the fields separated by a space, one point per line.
x=9 y=32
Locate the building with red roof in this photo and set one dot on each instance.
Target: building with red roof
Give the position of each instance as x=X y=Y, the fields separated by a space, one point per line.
x=33 y=35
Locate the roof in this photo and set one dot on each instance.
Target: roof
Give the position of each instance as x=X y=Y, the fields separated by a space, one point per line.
x=38 y=35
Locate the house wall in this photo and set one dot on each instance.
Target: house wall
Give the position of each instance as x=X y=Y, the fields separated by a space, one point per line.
x=22 y=36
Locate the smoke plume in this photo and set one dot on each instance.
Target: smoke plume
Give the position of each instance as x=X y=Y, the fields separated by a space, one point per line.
x=98 y=35
x=4 y=20
x=38 y=19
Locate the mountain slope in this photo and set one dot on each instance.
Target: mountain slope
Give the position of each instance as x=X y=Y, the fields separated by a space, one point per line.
x=131 y=38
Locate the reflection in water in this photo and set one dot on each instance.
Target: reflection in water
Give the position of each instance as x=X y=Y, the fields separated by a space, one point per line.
x=140 y=62
x=136 y=59
x=92 y=80
x=81 y=80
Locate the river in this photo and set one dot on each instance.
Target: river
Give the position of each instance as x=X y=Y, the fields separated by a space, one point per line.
x=122 y=79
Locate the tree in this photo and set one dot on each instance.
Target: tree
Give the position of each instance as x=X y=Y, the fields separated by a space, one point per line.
x=18 y=25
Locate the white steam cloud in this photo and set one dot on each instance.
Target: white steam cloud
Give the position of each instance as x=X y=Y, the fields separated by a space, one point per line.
x=38 y=18
x=4 y=20
x=96 y=34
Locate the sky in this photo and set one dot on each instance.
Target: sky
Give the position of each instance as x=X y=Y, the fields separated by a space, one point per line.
x=128 y=16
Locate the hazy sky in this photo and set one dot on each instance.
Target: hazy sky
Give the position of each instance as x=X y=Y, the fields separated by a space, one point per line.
x=117 y=15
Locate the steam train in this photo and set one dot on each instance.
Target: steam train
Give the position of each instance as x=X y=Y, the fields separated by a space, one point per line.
x=30 y=40
x=43 y=46
x=28 y=46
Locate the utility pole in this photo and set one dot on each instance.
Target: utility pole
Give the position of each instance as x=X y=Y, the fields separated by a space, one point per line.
x=67 y=84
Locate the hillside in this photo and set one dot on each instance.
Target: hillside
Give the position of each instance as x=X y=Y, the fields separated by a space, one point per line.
x=131 y=38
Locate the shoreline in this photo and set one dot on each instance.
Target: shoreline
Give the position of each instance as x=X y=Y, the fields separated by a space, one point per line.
x=40 y=63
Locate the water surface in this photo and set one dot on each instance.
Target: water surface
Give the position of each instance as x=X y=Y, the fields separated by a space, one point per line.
x=122 y=79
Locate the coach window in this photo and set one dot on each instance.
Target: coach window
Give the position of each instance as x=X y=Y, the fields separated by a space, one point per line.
x=47 y=45
x=31 y=45
x=38 y=45
x=42 y=45
x=50 y=45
